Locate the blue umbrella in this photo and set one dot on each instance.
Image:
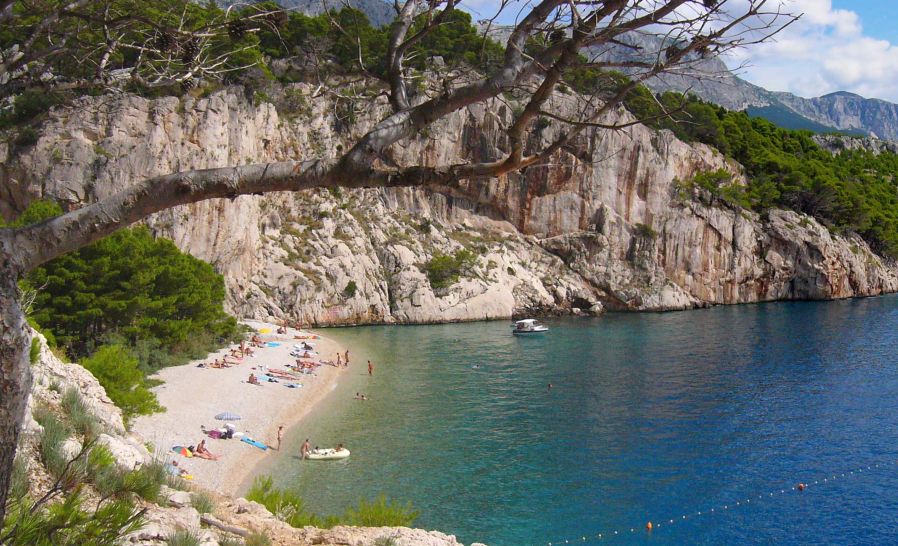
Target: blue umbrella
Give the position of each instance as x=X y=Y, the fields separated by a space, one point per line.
x=227 y=416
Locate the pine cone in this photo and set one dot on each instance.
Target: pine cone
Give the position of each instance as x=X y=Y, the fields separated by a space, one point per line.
x=164 y=41
x=188 y=84
x=237 y=29
x=190 y=50
x=277 y=18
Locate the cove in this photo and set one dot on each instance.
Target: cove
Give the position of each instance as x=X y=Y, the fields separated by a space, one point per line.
x=650 y=417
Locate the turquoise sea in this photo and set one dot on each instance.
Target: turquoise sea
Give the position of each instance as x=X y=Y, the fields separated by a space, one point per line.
x=651 y=417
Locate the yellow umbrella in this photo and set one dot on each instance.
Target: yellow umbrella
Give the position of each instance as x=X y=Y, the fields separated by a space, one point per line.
x=264 y=330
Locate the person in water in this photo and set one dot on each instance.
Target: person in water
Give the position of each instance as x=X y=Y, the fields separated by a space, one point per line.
x=370 y=368
x=304 y=450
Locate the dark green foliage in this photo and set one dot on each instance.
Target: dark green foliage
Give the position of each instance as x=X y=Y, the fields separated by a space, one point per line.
x=37 y=210
x=645 y=231
x=350 y=289
x=291 y=509
x=35 y=352
x=787 y=119
x=28 y=106
x=443 y=270
x=117 y=370
x=73 y=521
x=132 y=285
x=26 y=137
x=456 y=41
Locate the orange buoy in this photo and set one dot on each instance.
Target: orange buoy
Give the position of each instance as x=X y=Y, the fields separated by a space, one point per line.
x=801 y=487
x=648 y=526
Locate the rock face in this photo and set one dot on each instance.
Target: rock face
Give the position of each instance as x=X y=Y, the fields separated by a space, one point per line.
x=603 y=225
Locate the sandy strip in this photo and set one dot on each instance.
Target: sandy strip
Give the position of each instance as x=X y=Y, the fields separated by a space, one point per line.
x=193 y=396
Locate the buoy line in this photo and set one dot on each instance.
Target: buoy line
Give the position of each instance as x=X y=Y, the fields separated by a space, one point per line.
x=652 y=526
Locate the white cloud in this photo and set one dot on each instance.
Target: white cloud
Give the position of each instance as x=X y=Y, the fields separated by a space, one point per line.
x=825 y=51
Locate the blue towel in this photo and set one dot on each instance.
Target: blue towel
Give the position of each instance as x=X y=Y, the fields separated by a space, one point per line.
x=252 y=442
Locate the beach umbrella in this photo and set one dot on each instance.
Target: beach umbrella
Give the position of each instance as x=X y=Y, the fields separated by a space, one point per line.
x=264 y=330
x=181 y=450
x=227 y=416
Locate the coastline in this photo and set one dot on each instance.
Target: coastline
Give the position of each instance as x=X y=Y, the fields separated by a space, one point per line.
x=192 y=397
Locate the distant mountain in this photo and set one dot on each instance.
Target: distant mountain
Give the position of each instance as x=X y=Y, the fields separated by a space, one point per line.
x=711 y=80
x=380 y=13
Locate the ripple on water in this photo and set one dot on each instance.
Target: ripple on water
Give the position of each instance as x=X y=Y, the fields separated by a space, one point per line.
x=651 y=416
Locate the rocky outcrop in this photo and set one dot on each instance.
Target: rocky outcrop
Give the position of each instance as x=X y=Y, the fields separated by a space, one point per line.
x=603 y=224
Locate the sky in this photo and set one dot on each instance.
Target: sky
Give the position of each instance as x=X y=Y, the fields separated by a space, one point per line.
x=837 y=45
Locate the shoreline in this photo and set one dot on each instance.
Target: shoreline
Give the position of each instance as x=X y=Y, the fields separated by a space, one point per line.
x=192 y=397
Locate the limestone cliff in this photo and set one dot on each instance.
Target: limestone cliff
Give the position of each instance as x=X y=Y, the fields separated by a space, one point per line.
x=603 y=224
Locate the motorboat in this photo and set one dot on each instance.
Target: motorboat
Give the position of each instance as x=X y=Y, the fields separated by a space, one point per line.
x=528 y=327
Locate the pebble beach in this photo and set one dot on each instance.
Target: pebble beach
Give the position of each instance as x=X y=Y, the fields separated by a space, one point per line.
x=194 y=395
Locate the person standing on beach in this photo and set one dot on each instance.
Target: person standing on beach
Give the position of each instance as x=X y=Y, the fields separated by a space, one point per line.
x=280 y=436
x=339 y=362
x=370 y=368
x=304 y=450
x=346 y=359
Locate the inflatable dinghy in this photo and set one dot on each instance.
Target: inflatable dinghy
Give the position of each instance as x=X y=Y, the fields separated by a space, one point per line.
x=328 y=454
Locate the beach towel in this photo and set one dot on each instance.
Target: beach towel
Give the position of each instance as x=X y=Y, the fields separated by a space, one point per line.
x=272 y=344
x=293 y=385
x=255 y=443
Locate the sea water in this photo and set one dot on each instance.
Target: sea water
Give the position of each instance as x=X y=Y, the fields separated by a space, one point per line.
x=650 y=417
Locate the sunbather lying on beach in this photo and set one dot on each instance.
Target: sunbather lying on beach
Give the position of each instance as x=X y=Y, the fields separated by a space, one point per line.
x=204 y=453
x=175 y=470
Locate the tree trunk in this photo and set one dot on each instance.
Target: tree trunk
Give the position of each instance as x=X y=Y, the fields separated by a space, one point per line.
x=15 y=375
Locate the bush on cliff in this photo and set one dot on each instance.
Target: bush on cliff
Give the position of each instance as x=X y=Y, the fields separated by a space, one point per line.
x=117 y=370
x=129 y=288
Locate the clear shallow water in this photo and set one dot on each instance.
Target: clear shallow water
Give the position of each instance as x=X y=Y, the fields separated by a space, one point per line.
x=652 y=416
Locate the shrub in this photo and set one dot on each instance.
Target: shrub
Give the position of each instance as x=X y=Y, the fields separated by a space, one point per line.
x=146 y=481
x=35 y=352
x=443 y=270
x=183 y=537
x=202 y=502
x=39 y=523
x=645 y=231
x=132 y=285
x=380 y=513
x=350 y=289
x=386 y=541
x=286 y=505
x=117 y=370
x=84 y=422
x=51 y=440
x=257 y=538
x=26 y=137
